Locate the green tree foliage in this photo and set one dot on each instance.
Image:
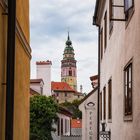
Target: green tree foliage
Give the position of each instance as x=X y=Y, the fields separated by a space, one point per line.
x=42 y=113
x=73 y=107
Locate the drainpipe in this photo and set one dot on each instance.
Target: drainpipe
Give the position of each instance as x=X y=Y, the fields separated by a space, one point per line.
x=98 y=97
x=10 y=70
x=98 y=116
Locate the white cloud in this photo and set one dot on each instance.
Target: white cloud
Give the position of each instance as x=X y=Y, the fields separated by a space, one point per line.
x=49 y=23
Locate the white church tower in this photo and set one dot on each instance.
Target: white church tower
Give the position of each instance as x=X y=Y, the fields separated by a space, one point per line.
x=43 y=69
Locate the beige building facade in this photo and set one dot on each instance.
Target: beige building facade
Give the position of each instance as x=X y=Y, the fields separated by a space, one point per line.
x=22 y=72
x=88 y=106
x=119 y=65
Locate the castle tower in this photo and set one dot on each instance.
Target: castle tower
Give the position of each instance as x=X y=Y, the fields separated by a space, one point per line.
x=44 y=72
x=68 y=65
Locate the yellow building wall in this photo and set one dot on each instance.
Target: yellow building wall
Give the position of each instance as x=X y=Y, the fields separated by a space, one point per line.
x=22 y=71
x=71 y=81
x=22 y=76
x=3 y=35
x=23 y=16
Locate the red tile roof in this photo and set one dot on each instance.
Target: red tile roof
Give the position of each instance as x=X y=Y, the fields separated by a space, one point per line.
x=44 y=62
x=36 y=80
x=76 y=123
x=61 y=86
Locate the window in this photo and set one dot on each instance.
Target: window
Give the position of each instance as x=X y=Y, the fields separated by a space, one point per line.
x=128 y=90
x=110 y=15
x=70 y=72
x=57 y=101
x=62 y=127
x=65 y=126
x=128 y=8
x=104 y=91
x=57 y=94
x=101 y=106
x=65 y=94
x=58 y=127
x=110 y=99
x=128 y=4
x=101 y=43
x=105 y=31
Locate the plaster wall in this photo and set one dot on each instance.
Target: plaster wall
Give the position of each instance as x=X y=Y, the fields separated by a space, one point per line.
x=44 y=72
x=89 y=117
x=62 y=98
x=37 y=87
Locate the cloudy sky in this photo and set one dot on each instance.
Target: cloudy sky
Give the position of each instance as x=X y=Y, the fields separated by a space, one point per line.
x=50 y=20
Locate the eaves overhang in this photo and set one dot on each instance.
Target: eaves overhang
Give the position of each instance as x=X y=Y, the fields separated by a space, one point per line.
x=95 y=12
x=99 y=7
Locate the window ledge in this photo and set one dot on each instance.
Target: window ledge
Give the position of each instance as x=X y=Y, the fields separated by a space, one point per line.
x=128 y=118
x=109 y=120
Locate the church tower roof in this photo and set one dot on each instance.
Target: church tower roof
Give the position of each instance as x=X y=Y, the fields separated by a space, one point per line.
x=68 y=42
x=68 y=51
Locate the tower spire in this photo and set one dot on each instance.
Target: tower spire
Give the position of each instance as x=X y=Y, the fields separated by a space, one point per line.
x=68 y=42
x=68 y=33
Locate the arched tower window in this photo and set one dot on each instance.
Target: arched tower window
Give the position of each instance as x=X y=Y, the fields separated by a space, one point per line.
x=70 y=72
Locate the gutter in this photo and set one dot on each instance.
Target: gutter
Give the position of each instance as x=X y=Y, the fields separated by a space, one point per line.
x=10 y=74
x=98 y=111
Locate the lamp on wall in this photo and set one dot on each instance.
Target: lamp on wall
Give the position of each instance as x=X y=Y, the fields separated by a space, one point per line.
x=105 y=135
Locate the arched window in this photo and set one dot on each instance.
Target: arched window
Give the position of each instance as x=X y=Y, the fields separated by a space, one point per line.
x=70 y=72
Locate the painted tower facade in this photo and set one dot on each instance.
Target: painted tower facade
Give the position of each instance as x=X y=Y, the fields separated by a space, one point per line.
x=68 y=65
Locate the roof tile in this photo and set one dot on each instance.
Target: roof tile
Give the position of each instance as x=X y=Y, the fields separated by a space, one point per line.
x=61 y=86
